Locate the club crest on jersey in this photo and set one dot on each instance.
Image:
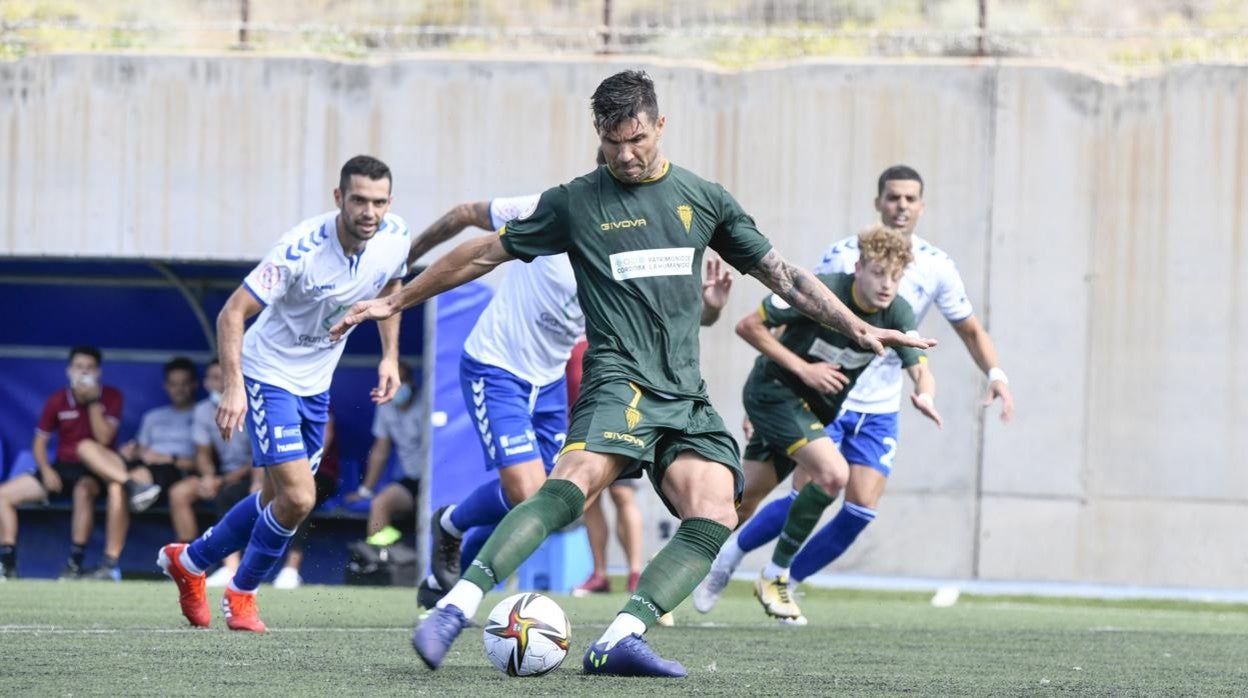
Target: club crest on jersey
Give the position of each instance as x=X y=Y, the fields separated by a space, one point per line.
x=685 y=211
x=330 y=319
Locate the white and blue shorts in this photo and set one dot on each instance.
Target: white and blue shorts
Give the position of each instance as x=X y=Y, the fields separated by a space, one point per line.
x=517 y=421
x=283 y=426
x=866 y=438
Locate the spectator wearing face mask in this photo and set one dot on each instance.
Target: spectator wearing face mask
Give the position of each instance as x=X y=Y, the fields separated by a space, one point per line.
x=396 y=425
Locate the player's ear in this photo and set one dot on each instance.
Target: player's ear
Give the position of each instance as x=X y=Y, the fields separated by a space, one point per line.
x=337 y=197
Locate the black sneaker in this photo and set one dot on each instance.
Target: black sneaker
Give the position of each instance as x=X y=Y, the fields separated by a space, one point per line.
x=427 y=594
x=111 y=573
x=71 y=571
x=6 y=574
x=143 y=496
x=445 y=555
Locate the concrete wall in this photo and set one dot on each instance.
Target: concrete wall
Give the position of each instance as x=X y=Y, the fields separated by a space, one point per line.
x=1100 y=229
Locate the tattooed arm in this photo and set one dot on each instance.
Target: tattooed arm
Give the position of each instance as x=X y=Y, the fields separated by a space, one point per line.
x=448 y=226
x=810 y=296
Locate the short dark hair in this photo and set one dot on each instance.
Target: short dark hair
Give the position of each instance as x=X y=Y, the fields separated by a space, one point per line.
x=86 y=350
x=405 y=369
x=621 y=97
x=181 y=363
x=366 y=165
x=898 y=172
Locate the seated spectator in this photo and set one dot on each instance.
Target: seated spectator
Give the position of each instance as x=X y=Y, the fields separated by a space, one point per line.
x=84 y=417
x=327 y=481
x=396 y=424
x=163 y=451
x=222 y=472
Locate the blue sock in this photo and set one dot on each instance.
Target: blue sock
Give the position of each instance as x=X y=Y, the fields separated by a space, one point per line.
x=471 y=544
x=229 y=535
x=485 y=506
x=825 y=546
x=268 y=541
x=766 y=524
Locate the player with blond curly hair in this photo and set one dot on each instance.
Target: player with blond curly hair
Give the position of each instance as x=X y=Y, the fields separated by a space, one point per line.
x=796 y=389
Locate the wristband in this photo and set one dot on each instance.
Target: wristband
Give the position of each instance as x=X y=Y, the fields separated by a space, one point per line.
x=364 y=492
x=996 y=374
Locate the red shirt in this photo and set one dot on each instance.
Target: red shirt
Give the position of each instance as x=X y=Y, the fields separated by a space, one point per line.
x=575 y=372
x=64 y=418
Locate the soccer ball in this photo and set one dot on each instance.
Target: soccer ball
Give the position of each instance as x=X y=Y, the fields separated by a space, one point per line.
x=527 y=635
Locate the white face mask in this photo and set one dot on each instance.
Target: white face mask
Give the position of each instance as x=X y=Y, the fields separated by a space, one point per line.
x=215 y=396
x=85 y=380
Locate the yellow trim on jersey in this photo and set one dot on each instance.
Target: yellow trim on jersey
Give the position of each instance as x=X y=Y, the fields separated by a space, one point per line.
x=762 y=311
x=636 y=394
x=862 y=305
x=667 y=165
x=503 y=230
x=796 y=445
x=923 y=359
x=574 y=446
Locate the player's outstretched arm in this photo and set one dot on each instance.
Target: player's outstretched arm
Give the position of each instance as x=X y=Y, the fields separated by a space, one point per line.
x=984 y=352
x=818 y=375
x=814 y=300
x=452 y=223
x=924 y=395
x=471 y=260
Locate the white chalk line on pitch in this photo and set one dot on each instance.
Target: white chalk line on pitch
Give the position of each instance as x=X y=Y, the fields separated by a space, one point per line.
x=60 y=630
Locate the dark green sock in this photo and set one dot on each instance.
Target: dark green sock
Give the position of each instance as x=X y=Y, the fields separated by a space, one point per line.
x=555 y=505
x=677 y=569
x=803 y=515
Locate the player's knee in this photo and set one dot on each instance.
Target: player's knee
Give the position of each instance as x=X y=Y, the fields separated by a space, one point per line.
x=520 y=490
x=832 y=481
x=724 y=512
x=295 y=504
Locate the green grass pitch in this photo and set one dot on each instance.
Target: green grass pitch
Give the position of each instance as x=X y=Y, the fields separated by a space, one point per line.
x=90 y=638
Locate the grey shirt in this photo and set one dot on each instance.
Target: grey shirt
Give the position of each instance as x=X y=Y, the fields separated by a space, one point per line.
x=167 y=430
x=232 y=454
x=402 y=427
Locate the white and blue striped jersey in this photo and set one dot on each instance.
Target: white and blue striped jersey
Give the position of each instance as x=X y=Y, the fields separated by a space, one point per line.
x=306 y=283
x=532 y=323
x=931 y=277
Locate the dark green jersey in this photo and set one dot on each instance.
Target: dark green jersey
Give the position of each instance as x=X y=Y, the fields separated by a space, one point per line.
x=815 y=342
x=637 y=253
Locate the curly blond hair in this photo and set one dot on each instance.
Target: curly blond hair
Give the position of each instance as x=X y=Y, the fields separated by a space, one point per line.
x=889 y=246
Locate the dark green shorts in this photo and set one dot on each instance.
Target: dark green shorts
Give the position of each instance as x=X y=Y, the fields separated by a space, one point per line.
x=782 y=423
x=620 y=417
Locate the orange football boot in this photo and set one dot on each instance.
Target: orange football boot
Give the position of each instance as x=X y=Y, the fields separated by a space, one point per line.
x=191 y=594
x=240 y=611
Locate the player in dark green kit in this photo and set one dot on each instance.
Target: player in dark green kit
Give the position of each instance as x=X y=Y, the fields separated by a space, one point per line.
x=635 y=231
x=797 y=386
